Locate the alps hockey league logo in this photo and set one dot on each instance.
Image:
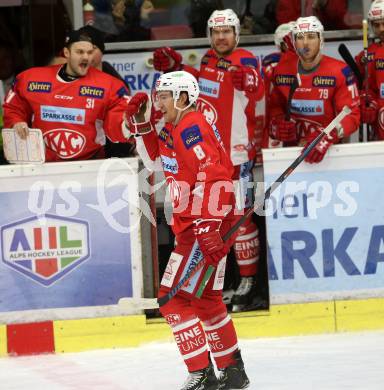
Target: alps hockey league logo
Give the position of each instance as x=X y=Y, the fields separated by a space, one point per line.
x=45 y=248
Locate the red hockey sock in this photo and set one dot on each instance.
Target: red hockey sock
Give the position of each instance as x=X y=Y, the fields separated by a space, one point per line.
x=187 y=330
x=222 y=340
x=191 y=341
x=247 y=249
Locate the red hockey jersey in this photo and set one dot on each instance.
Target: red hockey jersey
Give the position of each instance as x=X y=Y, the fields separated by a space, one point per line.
x=321 y=95
x=236 y=115
x=371 y=54
x=73 y=116
x=376 y=85
x=197 y=169
x=269 y=64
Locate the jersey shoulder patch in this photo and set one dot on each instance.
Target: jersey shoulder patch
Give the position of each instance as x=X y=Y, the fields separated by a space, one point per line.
x=191 y=136
x=249 y=61
x=349 y=75
x=271 y=58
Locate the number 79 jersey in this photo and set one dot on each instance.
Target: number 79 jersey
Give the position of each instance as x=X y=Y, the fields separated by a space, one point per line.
x=320 y=96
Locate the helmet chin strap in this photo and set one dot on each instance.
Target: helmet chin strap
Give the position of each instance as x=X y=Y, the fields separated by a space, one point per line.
x=179 y=111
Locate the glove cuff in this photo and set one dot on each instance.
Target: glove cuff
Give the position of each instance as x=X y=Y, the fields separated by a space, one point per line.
x=206 y=225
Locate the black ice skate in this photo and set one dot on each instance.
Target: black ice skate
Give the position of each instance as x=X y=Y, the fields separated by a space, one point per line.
x=204 y=379
x=234 y=377
x=243 y=294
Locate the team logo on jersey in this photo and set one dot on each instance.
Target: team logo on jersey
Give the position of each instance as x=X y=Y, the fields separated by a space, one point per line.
x=249 y=61
x=349 y=76
x=39 y=86
x=166 y=138
x=305 y=126
x=324 y=81
x=66 y=143
x=207 y=109
x=62 y=114
x=209 y=87
x=370 y=57
x=170 y=164
x=174 y=190
x=270 y=59
x=45 y=248
x=222 y=63
x=94 y=92
x=284 y=79
x=122 y=92
x=379 y=63
x=380 y=118
x=307 y=107
x=205 y=59
x=63 y=97
x=191 y=136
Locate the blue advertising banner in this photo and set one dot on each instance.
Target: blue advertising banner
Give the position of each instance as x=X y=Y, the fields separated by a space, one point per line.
x=325 y=226
x=66 y=236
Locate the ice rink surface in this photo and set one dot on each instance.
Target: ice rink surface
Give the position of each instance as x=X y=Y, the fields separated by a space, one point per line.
x=324 y=362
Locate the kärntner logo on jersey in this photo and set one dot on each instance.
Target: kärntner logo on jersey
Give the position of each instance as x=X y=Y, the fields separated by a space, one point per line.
x=45 y=248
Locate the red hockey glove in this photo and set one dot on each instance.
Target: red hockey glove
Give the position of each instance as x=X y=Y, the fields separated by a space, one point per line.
x=283 y=130
x=207 y=232
x=165 y=59
x=368 y=108
x=318 y=152
x=138 y=115
x=245 y=78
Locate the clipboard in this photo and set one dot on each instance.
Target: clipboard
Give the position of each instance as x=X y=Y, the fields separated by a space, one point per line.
x=20 y=151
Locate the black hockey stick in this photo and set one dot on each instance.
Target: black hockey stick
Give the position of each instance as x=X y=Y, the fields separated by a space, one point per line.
x=151 y=303
x=367 y=134
x=343 y=113
x=347 y=57
x=292 y=90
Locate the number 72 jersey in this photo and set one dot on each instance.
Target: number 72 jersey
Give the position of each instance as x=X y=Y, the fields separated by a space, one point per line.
x=320 y=96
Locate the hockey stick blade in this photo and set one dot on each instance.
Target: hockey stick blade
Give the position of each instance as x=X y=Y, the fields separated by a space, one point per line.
x=138 y=303
x=347 y=57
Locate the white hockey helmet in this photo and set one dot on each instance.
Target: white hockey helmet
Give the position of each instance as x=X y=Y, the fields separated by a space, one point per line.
x=281 y=32
x=177 y=82
x=224 y=18
x=376 y=10
x=309 y=24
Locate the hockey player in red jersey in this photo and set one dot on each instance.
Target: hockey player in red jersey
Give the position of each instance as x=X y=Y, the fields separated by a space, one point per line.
x=286 y=51
x=72 y=104
x=230 y=87
x=325 y=86
x=372 y=98
x=198 y=173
